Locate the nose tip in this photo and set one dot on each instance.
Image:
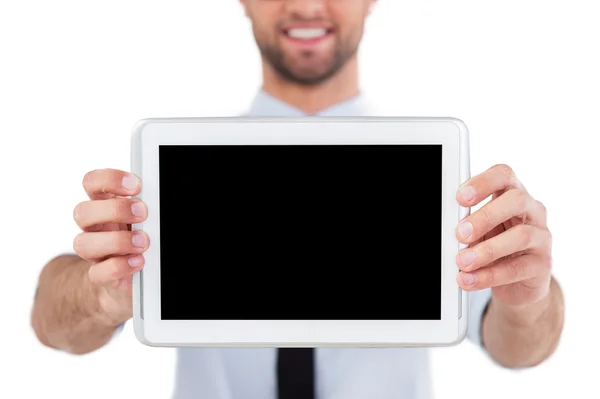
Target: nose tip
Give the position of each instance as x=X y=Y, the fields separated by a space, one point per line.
x=306 y=9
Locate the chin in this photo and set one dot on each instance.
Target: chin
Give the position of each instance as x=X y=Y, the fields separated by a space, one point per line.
x=308 y=76
x=314 y=66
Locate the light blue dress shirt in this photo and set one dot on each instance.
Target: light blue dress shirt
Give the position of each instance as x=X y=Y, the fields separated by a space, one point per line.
x=342 y=373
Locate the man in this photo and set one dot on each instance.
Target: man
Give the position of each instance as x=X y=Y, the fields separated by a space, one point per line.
x=309 y=61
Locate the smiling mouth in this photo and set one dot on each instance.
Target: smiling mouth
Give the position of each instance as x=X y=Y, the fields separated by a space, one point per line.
x=307 y=33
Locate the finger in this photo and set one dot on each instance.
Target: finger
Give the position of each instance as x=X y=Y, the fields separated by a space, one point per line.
x=512 y=203
x=522 y=237
x=497 y=178
x=97 y=246
x=106 y=183
x=115 y=210
x=115 y=268
x=505 y=272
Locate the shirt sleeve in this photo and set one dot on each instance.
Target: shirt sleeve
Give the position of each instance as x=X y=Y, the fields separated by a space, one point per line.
x=478 y=301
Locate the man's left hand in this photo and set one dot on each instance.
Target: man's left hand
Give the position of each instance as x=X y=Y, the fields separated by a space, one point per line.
x=510 y=244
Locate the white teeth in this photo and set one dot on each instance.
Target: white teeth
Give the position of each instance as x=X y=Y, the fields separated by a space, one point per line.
x=307 y=34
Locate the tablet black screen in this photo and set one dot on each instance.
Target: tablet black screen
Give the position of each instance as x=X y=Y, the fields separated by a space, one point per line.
x=300 y=232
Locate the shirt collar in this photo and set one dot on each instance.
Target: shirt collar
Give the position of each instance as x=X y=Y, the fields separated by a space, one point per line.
x=265 y=104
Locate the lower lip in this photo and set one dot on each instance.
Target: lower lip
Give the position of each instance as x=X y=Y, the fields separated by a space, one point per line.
x=307 y=42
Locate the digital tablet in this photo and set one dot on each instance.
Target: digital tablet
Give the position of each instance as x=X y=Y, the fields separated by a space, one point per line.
x=314 y=231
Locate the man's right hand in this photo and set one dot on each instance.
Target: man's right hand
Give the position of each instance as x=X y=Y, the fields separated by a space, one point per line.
x=106 y=240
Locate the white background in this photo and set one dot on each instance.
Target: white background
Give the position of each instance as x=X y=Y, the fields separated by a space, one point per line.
x=76 y=76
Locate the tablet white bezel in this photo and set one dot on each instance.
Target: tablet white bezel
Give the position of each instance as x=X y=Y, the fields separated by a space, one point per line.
x=451 y=133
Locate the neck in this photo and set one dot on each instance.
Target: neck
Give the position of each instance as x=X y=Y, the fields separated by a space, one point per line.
x=312 y=99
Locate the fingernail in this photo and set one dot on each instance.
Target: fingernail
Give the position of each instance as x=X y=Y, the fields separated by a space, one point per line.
x=135 y=261
x=468 y=278
x=467 y=193
x=129 y=182
x=465 y=229
x=137 y=208
x=467 y=257
x=138 y=240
